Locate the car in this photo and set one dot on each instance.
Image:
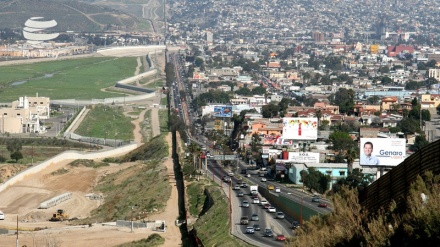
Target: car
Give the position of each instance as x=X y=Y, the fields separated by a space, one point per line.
x=271 y=209
x=230 y=174
x=280 y=215
x=248 y=175
x=240 y=193
x=255 y=217
x=245 y=204
x=263 y=179
x=244 y=185
x=236 y=187
x=266 y=206
x=262 y=202
x=250 y=230
x=270 y=187
x=323 y=205
x=2 y=215
x=261 y=174
x=256 y=227
x=277 y=190
x=295 y=224
x=244 y=220
x=268 y=232
x=315 y=199
x=280 y=238
x=256 y=201
x=263 y=169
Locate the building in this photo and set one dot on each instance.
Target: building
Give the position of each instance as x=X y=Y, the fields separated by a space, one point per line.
x=209 y=37
x=434 y=73
x=430 y=100
x=24 y=115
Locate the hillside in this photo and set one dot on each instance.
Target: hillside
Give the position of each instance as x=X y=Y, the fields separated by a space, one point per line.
x=70 y=15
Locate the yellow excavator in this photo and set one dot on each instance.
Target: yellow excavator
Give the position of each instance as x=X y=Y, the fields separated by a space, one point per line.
x=60 y=215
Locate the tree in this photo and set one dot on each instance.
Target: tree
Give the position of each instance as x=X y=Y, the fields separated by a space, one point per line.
x=270 y=110
x=341 y=141
x=259 y=90
x=13 y=145
x=244 y=91
x=17 y=155
x=409 y=125
x=255 y=142
x=355 y=180
x=344 y=98
x=419 y=143
x=315 y=180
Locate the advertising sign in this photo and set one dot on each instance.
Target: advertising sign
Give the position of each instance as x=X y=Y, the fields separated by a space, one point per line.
x=270 y=139
x=300 y=128
x=382 y=151
x=307 y=157
x=223 y=111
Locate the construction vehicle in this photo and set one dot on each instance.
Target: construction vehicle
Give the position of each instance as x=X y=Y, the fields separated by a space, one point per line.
x=60 y=215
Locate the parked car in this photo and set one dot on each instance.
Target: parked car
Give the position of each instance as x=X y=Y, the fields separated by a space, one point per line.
x=315 y=199
x=280 y=215
x=271 y=209
x=2 y=215
x=256 y=227
x=322 y=205
x=277 y=190
x=245 y=204
x=250 y=230
x=244 y=220
x=240 y=193
x=268 y=232
x=281 y=238
x=263 y=179
x=255 y=217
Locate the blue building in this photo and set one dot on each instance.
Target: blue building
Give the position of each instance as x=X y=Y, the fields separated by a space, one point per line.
x=334 y=170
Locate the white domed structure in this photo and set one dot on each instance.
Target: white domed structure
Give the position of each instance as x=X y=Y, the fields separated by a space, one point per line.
x=35 y=30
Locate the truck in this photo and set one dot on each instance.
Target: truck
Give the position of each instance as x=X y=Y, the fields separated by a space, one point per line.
x=254 y=189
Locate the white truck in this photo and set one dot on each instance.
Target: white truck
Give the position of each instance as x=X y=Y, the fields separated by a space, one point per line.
x=254 y=189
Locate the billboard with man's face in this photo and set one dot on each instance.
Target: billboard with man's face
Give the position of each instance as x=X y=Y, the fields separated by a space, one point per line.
x=382 y=151
x=300 y=128
x=223 y=111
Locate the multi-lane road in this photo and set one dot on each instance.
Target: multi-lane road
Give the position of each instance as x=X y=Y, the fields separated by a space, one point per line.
x=266 y=219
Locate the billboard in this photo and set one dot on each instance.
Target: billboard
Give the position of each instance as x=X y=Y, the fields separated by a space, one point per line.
x=300 y=128
x=307 y=157
x=222 y=111
x=270 y=139
x=382 y=151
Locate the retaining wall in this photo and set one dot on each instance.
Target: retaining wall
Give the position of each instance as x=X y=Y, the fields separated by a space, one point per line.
x=67 y=155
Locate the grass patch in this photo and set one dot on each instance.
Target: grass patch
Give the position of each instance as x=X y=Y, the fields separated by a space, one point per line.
x=60 y=171
x=106 y=122
x=196 y=198
x=81 y=78
x=213 y=227
x=164 y=100
x=146 y=130
x=155 y=150
x=163 y=120
x=152 y=240
x=88 y=163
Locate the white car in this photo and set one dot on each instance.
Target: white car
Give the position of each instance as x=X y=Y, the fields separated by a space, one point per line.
x=250 y=230
x=263 y=179
x=262 y=202
x=255 y=200
x=272 y=210
x=277 y=190
x=2 y=215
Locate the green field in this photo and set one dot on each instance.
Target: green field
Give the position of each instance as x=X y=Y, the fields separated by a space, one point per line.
x=67 y=79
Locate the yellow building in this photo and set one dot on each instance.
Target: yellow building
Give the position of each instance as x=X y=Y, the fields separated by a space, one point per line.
x=374 y=49
x=430 y=100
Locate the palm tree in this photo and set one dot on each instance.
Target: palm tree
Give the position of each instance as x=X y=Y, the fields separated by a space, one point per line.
x=350 y=155
x=194 y=149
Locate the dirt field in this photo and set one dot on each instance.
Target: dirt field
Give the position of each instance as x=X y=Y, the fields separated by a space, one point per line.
x=23 y=199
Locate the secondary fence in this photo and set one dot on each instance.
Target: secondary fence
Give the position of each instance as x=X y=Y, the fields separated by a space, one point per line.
x=55 y=200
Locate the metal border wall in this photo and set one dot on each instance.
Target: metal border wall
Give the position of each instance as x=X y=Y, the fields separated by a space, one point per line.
x=395 y=184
